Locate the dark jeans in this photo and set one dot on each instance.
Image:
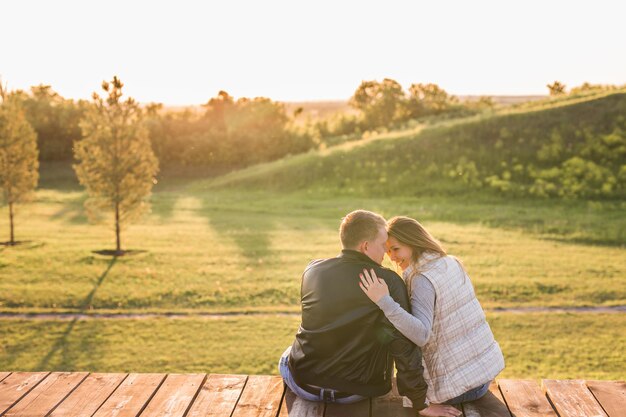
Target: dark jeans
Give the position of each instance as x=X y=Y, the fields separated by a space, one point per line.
x=470 y=395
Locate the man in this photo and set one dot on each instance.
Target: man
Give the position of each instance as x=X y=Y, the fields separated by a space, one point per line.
x=345 y=347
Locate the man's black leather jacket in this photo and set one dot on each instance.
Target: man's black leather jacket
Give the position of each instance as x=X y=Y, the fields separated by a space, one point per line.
x=344 y=341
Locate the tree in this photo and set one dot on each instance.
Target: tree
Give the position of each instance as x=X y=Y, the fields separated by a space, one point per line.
x=116 y=163
x=18 y=155
x=380 y=103
x=425 y=99
x=556 y=88
x=56 y=121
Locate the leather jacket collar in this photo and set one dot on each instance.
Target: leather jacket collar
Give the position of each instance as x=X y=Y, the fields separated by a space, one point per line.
x=357 y=256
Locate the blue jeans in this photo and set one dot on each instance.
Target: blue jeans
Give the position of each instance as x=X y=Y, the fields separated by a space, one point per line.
x=283 y=368
x=470 y=395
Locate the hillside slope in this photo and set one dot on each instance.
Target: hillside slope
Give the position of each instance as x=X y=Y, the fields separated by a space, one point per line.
x=570 y=151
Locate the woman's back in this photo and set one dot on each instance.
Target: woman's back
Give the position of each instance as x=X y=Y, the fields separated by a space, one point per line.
x=461 y=352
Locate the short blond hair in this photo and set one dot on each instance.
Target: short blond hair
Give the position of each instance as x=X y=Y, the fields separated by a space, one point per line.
x=359 y=226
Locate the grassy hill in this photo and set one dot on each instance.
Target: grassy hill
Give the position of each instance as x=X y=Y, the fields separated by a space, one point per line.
x=566 y=149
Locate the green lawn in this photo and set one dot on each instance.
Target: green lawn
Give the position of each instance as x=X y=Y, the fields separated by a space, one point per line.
x=219 y=250
x=535 y=345
x=216 y=250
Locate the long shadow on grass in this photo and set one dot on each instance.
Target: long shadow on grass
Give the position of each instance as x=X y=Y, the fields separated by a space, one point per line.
x=171 y=187
x=166 y=194
x=236 y=217
x=248 y=230
x=73 y=211
x=62 y=343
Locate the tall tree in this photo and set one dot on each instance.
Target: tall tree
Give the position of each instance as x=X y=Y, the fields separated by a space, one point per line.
x=425 y=99
x=380 y=102
x=115 y=159
x=18 y=155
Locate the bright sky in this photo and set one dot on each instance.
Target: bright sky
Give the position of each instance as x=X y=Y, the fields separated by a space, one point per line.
x=183 y=52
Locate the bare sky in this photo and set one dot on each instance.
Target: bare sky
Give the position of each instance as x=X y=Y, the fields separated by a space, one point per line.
x=184 y=52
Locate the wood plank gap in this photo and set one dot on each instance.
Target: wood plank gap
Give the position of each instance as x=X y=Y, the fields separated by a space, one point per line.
x=193 y=400
x=26 y=393
x=48 y=394
x=504 y=398
x=556 y=411
x=218 y=396
x=524 y=398
x=282 y=400
x=4 y=375
x=152 y=396
x=88 y=397
x=68 y=394
x=175 y=395
x=261 y=397
x=112 y=392
x=611 y=395
x=572 y=397
x=598 y=400
x=240 y=394
x=130 y=398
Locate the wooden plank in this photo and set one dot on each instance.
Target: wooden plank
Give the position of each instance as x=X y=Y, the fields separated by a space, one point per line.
x=260 y=397
x=611 y=395
x=572 y=398
x=14 y=387
x=390 y=404
x=294 y=406
x=4 y=375
x=174 y=396
x=47 y=395
x=218 y=396
x=490 y=405
x=525 y=399
x=89 y=395
x=130 y=398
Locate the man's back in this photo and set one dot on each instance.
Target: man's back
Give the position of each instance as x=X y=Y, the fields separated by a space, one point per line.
x=344 y=341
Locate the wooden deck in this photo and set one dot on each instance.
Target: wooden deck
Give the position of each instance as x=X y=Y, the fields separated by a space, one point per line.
x=80 y=394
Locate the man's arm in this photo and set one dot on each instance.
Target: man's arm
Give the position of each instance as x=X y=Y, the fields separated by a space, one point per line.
x=408 y=356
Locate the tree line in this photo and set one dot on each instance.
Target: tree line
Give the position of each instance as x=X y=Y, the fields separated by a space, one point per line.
x=228 y=133
x=117 y=146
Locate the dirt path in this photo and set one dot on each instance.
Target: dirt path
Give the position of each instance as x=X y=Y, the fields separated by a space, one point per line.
x=124 y=316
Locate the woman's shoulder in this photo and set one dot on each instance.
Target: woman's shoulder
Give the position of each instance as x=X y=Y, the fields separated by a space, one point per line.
x=431 y=260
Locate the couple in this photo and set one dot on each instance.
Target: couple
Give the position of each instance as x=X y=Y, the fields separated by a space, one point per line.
x=358 y=318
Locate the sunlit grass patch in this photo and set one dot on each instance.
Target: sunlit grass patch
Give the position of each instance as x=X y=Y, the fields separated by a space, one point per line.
x=240 y=250
x=536 y=345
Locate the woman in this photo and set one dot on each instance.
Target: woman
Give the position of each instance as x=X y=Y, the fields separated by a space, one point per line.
x=461 y=356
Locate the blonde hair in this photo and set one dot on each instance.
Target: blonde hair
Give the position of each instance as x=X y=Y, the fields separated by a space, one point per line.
x=358 y=226
x=411 y=233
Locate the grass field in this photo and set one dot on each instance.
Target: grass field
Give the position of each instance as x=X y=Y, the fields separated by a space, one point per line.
x=535 y=345
x=220 y=248
x=231 y=251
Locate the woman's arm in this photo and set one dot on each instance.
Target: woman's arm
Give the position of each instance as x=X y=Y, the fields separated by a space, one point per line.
x=416 y=327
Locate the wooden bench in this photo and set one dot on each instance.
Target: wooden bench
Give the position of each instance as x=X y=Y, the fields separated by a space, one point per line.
x=81 y=394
